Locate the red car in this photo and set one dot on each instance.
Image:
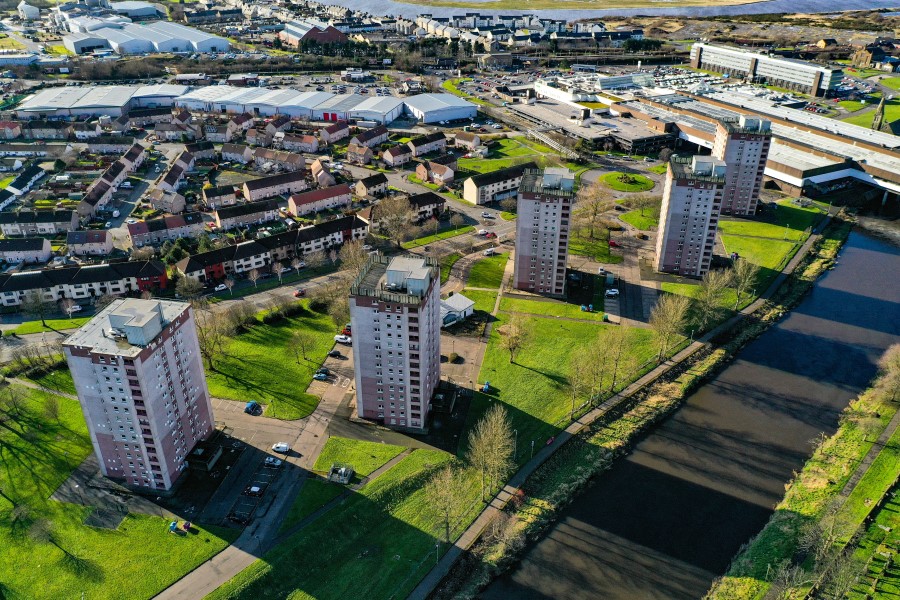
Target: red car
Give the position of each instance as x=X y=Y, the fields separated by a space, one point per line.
x=614 y=244
x=299 y=293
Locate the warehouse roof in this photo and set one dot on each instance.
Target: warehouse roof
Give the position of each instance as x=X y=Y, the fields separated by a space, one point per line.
x=431 y=102
x=384 y=104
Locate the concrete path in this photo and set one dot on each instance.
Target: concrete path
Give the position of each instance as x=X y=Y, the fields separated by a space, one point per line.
x=870 y=457
x=498 y=503
x=34 y=386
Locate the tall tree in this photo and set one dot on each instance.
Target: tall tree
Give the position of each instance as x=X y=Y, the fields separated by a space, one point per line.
x=580 y=371
x=314 y=260
x=709 y=296
x=254 y=276
x=491 y=446
x=353 y=257
x=593 y=201
x=395 y=216
x=744 y=275
x=621 y=361
x=229 y=283
x=443 y=491
x=34 y=304
x=213 y=334
x=457 y=221
x=301 y=343
x=513 y=336
x=278 y=268
x=669 y=318
x=189 y=288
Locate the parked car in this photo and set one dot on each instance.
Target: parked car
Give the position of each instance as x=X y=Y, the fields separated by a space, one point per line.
x=614 y=244
x=320 y=376
x=271 y=461
x=253 y=408
x=253 y=490
x=489 y=252
x=483 y=232
x=343 y=339
x=299 y=293
x=367 y=247
x=612 y=293
x=282 y=447
x=221 y=287
x=487 y=215
x=325 y=370
x=335 y=354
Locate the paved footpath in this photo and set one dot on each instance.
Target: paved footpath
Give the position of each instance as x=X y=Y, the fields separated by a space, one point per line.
x=498 y=502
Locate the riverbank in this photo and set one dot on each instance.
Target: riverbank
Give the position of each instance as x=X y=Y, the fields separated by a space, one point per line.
x=555 y=484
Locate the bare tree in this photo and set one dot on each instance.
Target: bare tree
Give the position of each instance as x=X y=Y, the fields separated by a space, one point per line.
x=579 y=377
x=443 y=492
x=744 y=274
x=669 y=318
x=254 y=276
x=339 y=310
x=51 y=407
x=229 y=283
x=68 y=306
x=34 y=304
x=105 y=300
x=457 y=221
x=301 y=343
x=593 y=200
x=315 y=260
x=491 y=446
x=146 y=253
x=278 y=268
x=395 y=214
x=333 y=257
x=188 y=287
x=620 y=359
x=513 y=336
x=645 y=204
x=665 y=154
x=709 y=296
x=239 y=315
x=889 y=372
x=353 y=257
x=510 y=205
x=213 y=334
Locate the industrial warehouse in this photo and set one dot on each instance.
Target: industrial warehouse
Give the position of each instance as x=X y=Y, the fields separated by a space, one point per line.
x=109 y=100
x=134 y=38
x=325 y=106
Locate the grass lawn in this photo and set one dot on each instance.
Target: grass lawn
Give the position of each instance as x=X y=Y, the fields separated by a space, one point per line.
x=381 y=538
x=6 y=181
x=852 y=105
x=484 y=300
x=245 y=371
x=431 y=186
x=549 y=309
x=441 y=235
x=59 y=379
x=790 y=222
x=535 y=389
x=450 y=86
x=447 y=263
x=891 y=114
x=644 y=222
x=488 y=165
x=52 y=325
x=314 y=494
x=597 y=249
x=768 y=254
x=37 y=454
x=507 y=216
x=228 y=177
x=659 y=169
x=487 y=272
x=364 y=457
x=635 y=182
x=58 y=50
x=891 y=82
x=7 y=43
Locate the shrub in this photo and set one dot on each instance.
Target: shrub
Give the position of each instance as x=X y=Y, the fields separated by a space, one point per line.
x=454 y=357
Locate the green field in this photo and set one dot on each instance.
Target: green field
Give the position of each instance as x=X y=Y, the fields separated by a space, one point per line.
x=487 y=272
x=378 y=542
x=551 y=308
x=535 y=388
x=506 y=153
x=659 y=169
x=638 y=183
x=259 y=365
x=52 y=325
x=791 y=222
x=314 y=494
x=891 y=114
x=7 y=43
x=364 y=457
x=484 y=300
x=643 y=222
x=890 y=82
x=852 y=105
x=6 y=181
x=38 y=453
x=59 y=380
x=442 y=235
x=450 y=86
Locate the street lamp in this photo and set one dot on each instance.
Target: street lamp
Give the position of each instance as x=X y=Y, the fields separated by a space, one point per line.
x=515 y=444
x=532 y=448
x=692 y=336
x=437 y=547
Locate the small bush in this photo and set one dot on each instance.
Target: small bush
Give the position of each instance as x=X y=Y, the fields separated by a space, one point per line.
x=454 y=357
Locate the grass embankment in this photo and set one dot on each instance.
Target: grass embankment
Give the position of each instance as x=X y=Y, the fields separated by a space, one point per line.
x=627 y=182
x=381 y=538
x=363 y=456
x=507 y=152
x=450 y=86
x=592 y=451
x=58 y=379
x=244 y=372
x=52 y=325
x=447 y=263
x=38 y=452
x=441 y=235
x=596 y=249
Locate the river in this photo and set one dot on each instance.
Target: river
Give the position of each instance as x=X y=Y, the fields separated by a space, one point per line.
x=411 y=10
x=667 y=519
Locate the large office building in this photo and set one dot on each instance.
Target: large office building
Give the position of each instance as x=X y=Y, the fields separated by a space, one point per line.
x=797 y=75
x=140 y=381
x=395 y=312
x=744 y=146
x=542 y=230
x=692 y=200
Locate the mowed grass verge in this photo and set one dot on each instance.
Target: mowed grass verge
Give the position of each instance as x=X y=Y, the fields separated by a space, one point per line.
x=487 y=272
x=442 y=235
x=52 y=325
x=535 y=388
x=37 y=453
x=642 y=220
x=363 y=456
x=259 y=365
x=378 y=542
x=628 y=182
